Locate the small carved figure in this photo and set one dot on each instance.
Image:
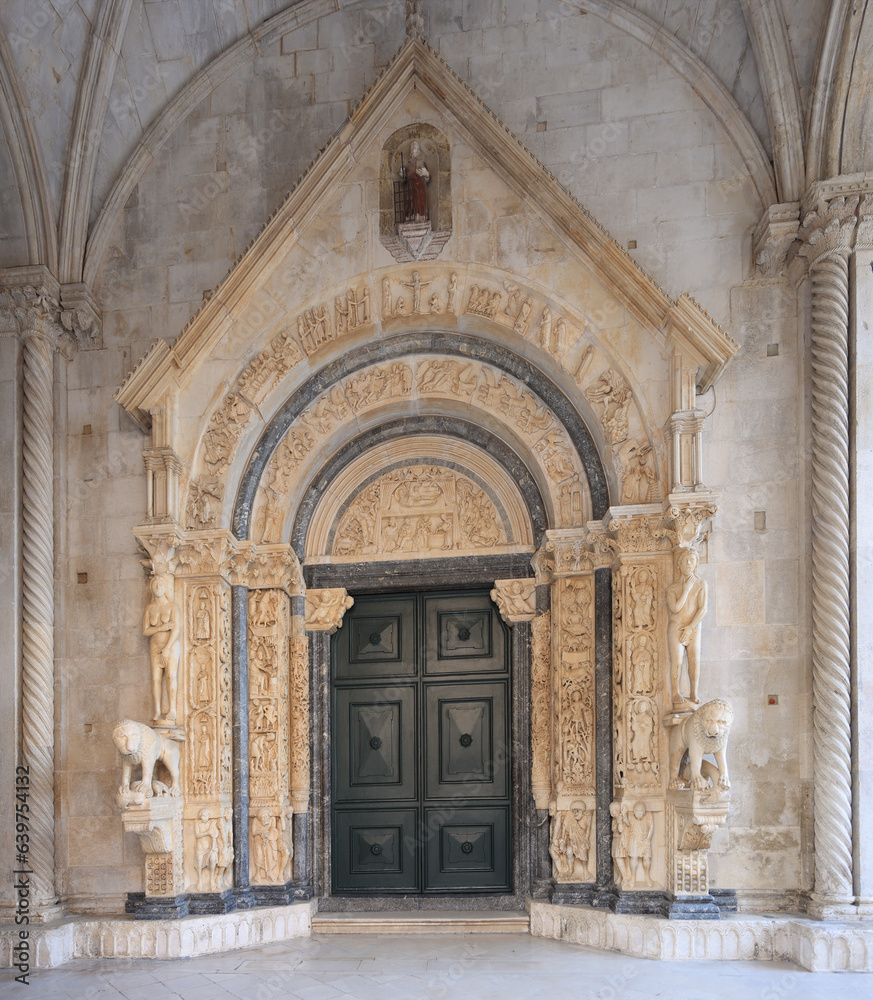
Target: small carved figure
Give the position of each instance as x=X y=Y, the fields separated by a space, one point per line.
x=225 y=850
x=513 y=291
x=202 y=618
x=638 y=828
x=559 y=338
x=416 y=284
x=452 y=305
x=642 y=722
x=584 y=362
x=613 y=395
x=687 y=601
x=642 y=663
x=546 y=328
x=522 y=321
x=436 y=304
x=162 y=624
x=706 y=730
x=140 y=744
x=203 y=753
x=387 y=302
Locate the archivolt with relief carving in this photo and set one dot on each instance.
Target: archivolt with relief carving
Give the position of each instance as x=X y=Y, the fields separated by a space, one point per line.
x=436 y=384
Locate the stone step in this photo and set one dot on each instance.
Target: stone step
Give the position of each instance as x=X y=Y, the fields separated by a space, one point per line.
x=422 y=922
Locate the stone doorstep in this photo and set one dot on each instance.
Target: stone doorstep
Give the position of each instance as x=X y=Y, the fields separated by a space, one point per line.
x=422 y=922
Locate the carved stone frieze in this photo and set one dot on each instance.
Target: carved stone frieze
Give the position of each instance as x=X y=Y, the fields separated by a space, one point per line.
x=269 y=630
x=574 y=685
x=541 y=709
x=300 y=735
x=325 y=609
x=515 y=599
x=611 y=396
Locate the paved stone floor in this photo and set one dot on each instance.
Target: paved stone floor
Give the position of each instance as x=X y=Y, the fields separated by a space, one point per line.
x=412 y=967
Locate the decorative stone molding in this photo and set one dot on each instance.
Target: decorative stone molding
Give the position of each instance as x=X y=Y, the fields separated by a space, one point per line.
x=774 y=236
x=325 y=609
x=81 y=316
x=516 y=600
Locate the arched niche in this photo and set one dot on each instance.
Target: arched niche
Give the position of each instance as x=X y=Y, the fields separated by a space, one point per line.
x=436 y=152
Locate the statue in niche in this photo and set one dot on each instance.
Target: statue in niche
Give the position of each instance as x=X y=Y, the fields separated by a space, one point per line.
x=207 y=834
x=632 y=844
x=202 y=659
x=570 y=845
x=642 y=749
x=418 y=178
x=642 y=598
x=203 y=753
x=687 y=601
x=642 y=662
x=162 y=625
x=202 y=617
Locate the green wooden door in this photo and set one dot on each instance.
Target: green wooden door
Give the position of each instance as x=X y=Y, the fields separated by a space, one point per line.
x=420 y=729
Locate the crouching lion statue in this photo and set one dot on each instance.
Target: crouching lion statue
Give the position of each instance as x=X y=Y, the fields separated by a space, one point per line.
x=706 y=730
x=139 y=744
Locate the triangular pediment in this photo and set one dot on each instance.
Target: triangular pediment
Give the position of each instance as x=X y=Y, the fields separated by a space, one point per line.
x=418 y=74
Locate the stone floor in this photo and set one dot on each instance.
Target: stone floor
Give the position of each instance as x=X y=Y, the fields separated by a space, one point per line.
x=414 y=967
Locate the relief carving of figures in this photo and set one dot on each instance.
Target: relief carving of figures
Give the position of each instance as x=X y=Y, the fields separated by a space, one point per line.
x=416 y=283
x=325 y=608
x=687 y=601
x=268 y=367
x=642 y=663
x=454 y=377
x=418 y=509
x=570 y=502
x=641 y=590
x=584 y=361
x=387 y=300
x=203 y=506
x=265 y=834
x=314 y=327
x=613 y=397
x=483 y=302
x=225 y=429
x=300 y=739
x=576 y=684
x=546 y=328
x=639 y=482
x=570 y=842
x=541 y=713
x=632 y=844
x=162 y=624
x=207 y=838
x=378 y=384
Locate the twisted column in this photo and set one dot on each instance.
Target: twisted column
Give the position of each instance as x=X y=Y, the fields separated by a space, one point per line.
x=37 y=559
x=831 y=657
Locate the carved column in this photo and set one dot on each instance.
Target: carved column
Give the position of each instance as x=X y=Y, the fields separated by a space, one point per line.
x=829 y=234
x=573 y=798
x=35 y=310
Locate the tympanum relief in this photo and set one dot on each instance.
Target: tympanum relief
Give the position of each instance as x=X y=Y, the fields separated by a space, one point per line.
x=419 y=510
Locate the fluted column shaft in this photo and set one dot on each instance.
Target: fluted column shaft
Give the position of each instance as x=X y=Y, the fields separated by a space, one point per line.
x=831 y=636
x=37 y=651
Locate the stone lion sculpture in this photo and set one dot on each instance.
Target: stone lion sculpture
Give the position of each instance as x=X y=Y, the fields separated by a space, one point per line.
x=140 y=744
x=705 y=731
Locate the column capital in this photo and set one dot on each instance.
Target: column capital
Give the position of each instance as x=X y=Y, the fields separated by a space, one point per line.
x=29 y=295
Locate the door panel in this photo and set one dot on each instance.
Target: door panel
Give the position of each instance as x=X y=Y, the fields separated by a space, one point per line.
x=375 y=743
x=470 y=846
x=420 y=710
x=375 y=850
x=466 y=747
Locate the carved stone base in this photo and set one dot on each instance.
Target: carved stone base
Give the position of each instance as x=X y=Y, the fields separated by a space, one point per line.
x=574 y=893
x=640 y=901
x=691 y=908
x=156 y=907
x=279 y=895
x=212 y=902
x=415 y=241
x=725 y=900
